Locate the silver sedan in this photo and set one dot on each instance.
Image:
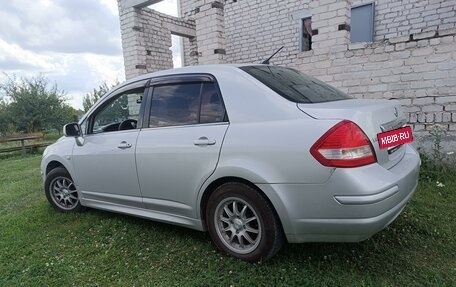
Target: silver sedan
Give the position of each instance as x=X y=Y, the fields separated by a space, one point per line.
x=257 y=155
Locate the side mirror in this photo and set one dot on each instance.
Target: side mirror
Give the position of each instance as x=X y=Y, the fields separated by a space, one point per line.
x=72 y=130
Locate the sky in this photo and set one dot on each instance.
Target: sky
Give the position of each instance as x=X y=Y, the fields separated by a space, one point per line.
x=75 y=44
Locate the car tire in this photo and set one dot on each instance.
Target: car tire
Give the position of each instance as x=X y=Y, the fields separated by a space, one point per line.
x=61 y=191
x=242 y=223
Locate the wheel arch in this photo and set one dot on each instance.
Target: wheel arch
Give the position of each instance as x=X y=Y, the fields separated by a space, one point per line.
x=53 y=165
x=53 y=162
x=222 y=180
x=55 y=171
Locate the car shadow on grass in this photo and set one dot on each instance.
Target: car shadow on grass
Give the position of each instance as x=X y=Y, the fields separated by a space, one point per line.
x=393 y=256
x=360 y=254
x=151 y=226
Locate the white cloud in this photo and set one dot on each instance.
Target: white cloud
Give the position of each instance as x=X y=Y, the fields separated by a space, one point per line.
x=60 y=26
x=176 y=43
x=111 y=5
x=167 y=7
x=76 y=74
x=23 y=59
x=75 y=44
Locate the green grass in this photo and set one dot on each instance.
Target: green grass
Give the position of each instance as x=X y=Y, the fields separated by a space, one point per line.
x=41 y=247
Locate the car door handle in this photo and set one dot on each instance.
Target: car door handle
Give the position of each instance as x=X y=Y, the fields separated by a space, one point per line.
x=124 y=145
x=202 y=141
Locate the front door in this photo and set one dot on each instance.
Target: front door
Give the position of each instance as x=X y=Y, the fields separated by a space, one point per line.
x=179 y=148
x=105 y=162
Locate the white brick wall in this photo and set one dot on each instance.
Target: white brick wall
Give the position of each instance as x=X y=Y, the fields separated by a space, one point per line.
x=210 y=40
x=413 y=57
x=397 y=18
x=146 y=39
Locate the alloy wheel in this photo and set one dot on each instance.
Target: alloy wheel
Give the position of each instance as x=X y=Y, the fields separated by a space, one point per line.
x=63 y=192
x=237 y=225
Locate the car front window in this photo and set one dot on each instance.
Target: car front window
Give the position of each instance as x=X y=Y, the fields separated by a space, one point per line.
x=120 y=113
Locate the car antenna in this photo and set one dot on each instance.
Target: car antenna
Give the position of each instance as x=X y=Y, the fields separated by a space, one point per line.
x=266 y=62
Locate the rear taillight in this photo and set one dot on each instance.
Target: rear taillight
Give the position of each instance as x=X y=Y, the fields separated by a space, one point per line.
x=344 y=145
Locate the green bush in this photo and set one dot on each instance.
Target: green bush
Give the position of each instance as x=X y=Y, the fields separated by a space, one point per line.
x=437 y=166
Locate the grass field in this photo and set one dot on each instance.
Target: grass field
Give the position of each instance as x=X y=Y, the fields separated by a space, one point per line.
x=40 y=247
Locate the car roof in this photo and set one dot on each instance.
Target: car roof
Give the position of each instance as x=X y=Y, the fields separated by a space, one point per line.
x=226 y=72
x=201 y=69
x=188 y=69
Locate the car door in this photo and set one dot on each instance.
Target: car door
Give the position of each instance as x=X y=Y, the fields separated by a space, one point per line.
x=105 y=162
x=179 y=147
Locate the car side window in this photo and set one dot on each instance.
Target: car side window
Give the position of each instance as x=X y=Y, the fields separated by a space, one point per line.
x=212 y=109
x=185 y=104
x=120 y=113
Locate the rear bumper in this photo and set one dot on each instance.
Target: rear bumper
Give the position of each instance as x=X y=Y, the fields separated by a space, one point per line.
x=351 y=206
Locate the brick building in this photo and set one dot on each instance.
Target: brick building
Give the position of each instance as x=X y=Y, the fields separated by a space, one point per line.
x=403 y=50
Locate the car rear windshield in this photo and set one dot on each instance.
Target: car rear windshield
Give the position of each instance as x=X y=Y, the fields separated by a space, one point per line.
x=294 y=85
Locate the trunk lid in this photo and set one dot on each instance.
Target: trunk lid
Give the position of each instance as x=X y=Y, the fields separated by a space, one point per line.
x=372 y=116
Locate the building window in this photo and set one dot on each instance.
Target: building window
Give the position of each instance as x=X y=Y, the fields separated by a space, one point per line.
x=362 y=23
x=306 y=34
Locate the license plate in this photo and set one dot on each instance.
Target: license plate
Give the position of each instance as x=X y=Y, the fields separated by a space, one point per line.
x=395 y=137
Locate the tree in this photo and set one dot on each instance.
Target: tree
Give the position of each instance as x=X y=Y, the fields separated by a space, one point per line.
x=91 y=98
x=66 y=114
x=6 y=126
x=33 y=105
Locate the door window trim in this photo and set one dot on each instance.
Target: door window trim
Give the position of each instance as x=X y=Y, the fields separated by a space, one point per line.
x=115 y=94
x=180 y=79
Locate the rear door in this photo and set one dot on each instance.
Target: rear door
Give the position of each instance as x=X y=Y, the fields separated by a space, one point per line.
x=179 y=145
